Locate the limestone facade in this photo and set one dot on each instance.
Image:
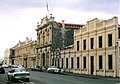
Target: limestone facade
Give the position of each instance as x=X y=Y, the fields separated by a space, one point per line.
x=25 y=53
x=97 y=46
x=7 y=56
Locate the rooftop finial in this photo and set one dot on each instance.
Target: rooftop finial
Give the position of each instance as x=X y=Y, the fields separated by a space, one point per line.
x=50 y=15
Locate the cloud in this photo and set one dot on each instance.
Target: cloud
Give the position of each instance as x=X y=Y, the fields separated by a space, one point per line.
x=19 y=4
x=107 y=6
x=19 y=18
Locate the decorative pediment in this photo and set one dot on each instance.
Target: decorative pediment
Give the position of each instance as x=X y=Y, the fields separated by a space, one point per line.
x=44 y=21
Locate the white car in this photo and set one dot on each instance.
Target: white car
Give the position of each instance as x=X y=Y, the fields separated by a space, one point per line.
x=55 y=69
x=18 y=74
x=5 y=66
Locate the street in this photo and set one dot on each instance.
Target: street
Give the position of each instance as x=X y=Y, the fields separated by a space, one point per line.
x=49 y=78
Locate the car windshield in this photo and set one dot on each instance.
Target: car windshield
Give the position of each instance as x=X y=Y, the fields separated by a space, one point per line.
x=20 y=70
x=54 y=67
x=37 y=66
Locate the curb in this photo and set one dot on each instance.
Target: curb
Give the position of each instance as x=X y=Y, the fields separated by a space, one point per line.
x=91 y=76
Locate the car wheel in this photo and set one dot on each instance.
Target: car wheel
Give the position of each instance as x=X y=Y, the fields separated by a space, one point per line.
x=53 y=71
x=8 y=78
x=27 y=79
x=48 y=71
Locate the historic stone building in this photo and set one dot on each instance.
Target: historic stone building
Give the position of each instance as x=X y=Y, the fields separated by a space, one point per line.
x=25 y=53
x=12 y=55
x=66 y=58
x=9 y=56
x=97 y=48
x=52 y=35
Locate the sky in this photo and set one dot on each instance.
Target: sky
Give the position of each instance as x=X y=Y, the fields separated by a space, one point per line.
x=18 y=18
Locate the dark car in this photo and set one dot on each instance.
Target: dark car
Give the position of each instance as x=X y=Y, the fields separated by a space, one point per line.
x=2 y=70
x=36 y=68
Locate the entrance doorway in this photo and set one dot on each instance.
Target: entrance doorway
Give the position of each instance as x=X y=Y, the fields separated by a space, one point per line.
x=25 y=63
x=43 y=59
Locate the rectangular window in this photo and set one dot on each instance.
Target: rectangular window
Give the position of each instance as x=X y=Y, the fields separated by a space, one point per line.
x=118 y=33
x=78 y=62
x=13 y=52
x=62 y=63
x=110 y=62
x=58 y=62
x=72 y=62
x=119 y=51
x=84 y=62
x=66 y=62
x=84 y=44
x=77 y=45
x=92 y=43
x=109 y=40
x=100 y=62
x=100 y=41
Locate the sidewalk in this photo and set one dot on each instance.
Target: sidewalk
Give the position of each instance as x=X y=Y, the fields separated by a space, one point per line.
x=92 y=76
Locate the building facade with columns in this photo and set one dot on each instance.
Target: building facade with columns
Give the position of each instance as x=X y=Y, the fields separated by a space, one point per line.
x=52 y=35
x=25 y=53
x=97 y=48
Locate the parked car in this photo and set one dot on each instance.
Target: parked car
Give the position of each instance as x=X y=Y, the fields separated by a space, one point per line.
x=18 y=74
x=36 y=68
x=16 y=66
x=2 y=70
x=5 y=65
x=55 y=69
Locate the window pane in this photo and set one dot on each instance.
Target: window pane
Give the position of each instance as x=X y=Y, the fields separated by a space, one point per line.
x=109 y=40
x=119 y=33
x=72 y=62
x=84 y=44
x=77 y=45
x=100 y=41
x=92 y=42
x=58 y=62
x=100 y=62
x=84 y=64
x=66 y=62
x=78 y=62
x=109 y=61
x=62 y=63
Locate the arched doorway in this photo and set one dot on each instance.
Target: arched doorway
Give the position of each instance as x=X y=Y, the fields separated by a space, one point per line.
x=25 y=62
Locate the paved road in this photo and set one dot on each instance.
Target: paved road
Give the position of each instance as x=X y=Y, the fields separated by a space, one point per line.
x=48 y=78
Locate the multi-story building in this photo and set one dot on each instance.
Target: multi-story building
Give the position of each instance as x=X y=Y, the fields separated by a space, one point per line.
x=66 y=58
x=97 y=48
x=25 y=53
x=7 y=56
x=12 y=55
x=52 y=35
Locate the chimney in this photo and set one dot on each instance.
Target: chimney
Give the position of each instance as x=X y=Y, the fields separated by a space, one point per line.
x=63 y=24
x=51 y=18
